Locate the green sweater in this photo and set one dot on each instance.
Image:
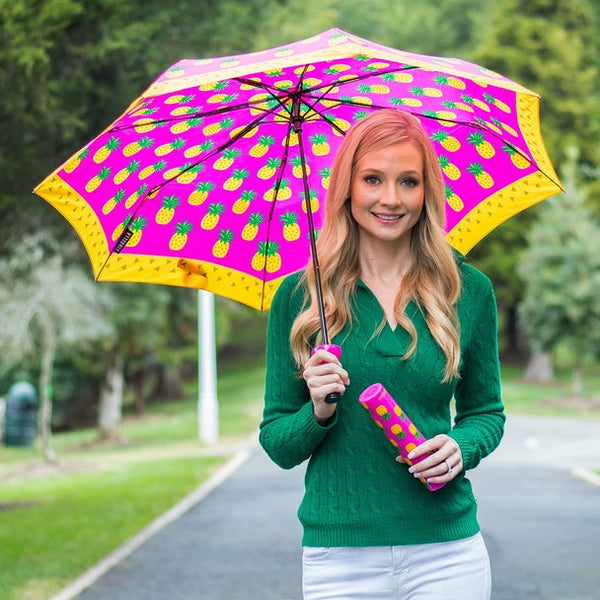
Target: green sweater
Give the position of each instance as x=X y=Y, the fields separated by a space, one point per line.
x=356 y=494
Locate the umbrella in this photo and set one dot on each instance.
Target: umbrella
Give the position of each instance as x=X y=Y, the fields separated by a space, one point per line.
x=215 y=177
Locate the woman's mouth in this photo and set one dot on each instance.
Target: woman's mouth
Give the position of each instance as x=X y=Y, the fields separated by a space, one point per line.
x=388 y=218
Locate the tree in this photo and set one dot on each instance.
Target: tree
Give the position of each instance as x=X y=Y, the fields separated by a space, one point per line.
x=52 y=307
x=561 y=271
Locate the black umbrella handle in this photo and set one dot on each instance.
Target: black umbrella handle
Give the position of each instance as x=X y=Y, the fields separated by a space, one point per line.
x=334 y=397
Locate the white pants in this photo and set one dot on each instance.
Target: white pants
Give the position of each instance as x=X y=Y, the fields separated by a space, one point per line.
x=448 y=571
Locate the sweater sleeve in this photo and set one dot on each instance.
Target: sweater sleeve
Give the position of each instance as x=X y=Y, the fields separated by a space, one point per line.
x=289 y=432
x=479 y=420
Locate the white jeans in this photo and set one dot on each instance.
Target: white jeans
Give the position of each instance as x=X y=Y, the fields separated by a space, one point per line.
x=448 y=571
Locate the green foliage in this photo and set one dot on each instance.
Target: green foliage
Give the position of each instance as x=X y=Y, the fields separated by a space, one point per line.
x=561 y=271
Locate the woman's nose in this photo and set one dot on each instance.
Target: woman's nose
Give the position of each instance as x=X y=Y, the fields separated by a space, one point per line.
x=390 y=196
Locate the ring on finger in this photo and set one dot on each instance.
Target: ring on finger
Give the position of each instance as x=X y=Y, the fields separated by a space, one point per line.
x=449 y=467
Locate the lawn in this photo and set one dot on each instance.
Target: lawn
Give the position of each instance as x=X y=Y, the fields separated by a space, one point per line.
x=57 y=522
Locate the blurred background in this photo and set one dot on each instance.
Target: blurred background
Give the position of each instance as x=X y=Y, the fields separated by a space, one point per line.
x=69 y=67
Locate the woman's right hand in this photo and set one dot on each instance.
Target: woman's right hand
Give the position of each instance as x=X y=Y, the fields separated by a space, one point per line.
x=324 y=375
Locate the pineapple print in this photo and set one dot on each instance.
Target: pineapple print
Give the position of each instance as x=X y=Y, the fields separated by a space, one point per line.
x=291 y=229
x=273 y=262
x=475 y=102
x=413 y=429
x=319 y=144
x=190 y=173
x=134 y=147
x=133 y=198
x=378 y=88
x=116 y=234
x=137 y=227
x=402 y=77
x=340 y=126
x=186 y=125
x=144 y=125
x=211 y=218
x=517 y=158
x=167 y=210
x=244 y=131
x=447 y=141
x=180 y=237
x=95 y=182
x=262 y=147
x=226 y=160
x=484 y=148
x=75 y=161
x=176 y=171
x=236 y=180
x=403 y=102
x=314 y=201
x=259 y=260
x=165 y=149
x=157 y=167
x=214 y=128
x=269 y=169
x=193 y=151
x=241 y=205
x=450 y=170
x=397 y=430
x=325 y=175
x=110 y=204
x=104 y=152
x=221 y=246
x=200 y=194
x=483 y=179
x=214 y=86
x=497 y=103
x=297 y=167
x=221 y=98
x=382 y=411
x=454 y=201
x=455 y=82
x=281 y=192
x=251 y=228
x=179 y=99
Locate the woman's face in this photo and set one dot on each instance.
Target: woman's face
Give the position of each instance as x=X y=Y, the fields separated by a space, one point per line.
x=387 y=193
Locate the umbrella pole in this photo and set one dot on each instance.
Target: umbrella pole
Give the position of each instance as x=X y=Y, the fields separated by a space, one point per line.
x=296 y=122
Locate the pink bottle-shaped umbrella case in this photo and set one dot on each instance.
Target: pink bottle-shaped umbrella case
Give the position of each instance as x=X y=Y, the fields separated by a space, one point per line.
x=395 y=423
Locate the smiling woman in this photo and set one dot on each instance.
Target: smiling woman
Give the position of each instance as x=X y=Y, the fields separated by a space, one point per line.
x=409 y=313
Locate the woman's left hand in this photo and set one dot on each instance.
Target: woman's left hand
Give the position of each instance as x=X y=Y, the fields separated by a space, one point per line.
x=444 y=462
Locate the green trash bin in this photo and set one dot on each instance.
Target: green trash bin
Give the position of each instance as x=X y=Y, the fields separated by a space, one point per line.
x=20 y=418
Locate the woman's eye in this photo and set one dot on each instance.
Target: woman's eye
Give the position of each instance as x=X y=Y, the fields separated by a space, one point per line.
x=410 y=182
x=371 y=179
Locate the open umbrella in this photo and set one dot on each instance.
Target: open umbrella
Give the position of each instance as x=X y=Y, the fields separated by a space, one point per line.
x=215 y=177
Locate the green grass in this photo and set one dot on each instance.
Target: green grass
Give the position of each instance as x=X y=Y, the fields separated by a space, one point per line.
x=56 y=522
x=59 y=522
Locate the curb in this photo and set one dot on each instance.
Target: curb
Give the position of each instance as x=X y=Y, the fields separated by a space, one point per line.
x=587 y=475
x=89 y=577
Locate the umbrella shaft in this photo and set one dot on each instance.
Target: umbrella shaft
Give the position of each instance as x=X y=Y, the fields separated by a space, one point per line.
x=296 y=122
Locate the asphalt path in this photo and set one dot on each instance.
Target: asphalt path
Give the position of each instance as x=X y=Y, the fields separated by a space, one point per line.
x=241 y=541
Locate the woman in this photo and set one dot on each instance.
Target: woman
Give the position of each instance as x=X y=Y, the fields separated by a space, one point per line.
x=409 y=313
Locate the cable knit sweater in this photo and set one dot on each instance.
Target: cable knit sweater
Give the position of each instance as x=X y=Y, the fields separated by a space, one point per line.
x=356 y=493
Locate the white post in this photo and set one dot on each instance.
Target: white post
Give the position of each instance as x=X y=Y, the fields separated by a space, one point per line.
x=208 y=406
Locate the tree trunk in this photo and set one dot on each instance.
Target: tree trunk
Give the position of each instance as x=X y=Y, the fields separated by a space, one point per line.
x=111 y=400
x=539 y=368
x=46 y=367
x=577 y=380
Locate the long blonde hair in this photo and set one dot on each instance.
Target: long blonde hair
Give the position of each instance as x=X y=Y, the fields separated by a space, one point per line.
x=432 y=279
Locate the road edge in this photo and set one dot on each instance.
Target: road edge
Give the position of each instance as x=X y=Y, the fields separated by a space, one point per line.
x=89 y=577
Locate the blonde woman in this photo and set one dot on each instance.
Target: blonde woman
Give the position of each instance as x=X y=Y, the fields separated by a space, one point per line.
x=409 y=313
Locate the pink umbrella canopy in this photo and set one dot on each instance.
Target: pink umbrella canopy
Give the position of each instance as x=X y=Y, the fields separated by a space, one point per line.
x=216 y=176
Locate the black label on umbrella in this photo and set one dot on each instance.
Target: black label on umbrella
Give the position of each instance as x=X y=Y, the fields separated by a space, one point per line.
x=125 y=237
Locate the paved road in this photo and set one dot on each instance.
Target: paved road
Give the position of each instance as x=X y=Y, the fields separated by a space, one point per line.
x=242 y=542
